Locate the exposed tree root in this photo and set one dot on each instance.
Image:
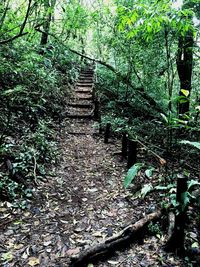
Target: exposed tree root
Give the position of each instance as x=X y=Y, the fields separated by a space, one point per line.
x=131 y=233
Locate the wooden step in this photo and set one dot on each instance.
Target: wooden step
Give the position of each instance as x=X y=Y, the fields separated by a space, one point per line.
x=86 y=75
x=79 y=88
x=84 y=89
x=83 y=96
x=88 y=71
x=80 y=133
x=78 y=116
x=85 y=81
x=84 y=84
x=79 y=91
x=80 y=111
x=91 y=74
x=90 y=78
x=80 y=105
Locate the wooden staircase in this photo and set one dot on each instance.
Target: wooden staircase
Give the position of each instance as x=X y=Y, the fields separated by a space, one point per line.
x=81 y=104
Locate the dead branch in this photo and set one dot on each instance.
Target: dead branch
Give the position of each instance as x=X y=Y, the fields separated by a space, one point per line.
x=161 y=160
x=34 y=170
x=131 y=233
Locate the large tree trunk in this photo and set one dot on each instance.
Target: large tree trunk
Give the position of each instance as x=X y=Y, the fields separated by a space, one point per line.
x=184 y=67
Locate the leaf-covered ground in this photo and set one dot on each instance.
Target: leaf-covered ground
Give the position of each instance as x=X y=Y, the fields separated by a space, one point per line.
x=82 y=205
x=79 y=206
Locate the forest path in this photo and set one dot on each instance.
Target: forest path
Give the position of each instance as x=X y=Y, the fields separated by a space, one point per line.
x=82 y=205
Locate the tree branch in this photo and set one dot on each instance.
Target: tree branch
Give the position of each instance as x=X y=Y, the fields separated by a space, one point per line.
x=128 y=235
x=123 y=78
x=21 y=33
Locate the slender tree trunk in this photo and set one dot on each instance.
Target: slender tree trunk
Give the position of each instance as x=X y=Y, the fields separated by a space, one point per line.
x=49 y=9
x=6 y=8
x=184 y=67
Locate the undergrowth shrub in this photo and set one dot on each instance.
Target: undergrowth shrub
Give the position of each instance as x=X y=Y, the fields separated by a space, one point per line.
x=33 y=93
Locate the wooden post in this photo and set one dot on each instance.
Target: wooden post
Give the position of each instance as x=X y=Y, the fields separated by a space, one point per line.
x=132 y=153
x=97 y=114
x=107 y=133
x=93 y=94
x=124 y=144
x=176 y=241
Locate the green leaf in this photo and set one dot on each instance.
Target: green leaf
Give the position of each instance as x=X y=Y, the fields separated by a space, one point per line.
x=185 y=92
x=132 y=172
x=149 y=172
x=185 y=200
x=192 y=183
x=17 y=89
x=194 y=144
x=146 y=189
x=7 y=257
x=159 y=187
x=195 y=245
x=164 y=117
x=182 y=99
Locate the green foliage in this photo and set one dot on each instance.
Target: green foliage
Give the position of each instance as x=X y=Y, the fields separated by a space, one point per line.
x=137 y=39
x=154 y=229
x=33 y=89
x=145 y=190
x=149 y=172
x=8 y=187
x=194 y=144
x=132 y=172
x=150 y=18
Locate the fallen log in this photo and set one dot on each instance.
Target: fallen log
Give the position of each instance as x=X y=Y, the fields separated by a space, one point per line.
x=129 y=234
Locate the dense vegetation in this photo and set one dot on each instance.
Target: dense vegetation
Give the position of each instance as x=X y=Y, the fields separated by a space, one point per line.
x=146 y=55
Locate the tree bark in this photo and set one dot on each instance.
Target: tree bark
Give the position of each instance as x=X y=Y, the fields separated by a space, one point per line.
x=107 y=133
x=176 y=241
x=132 y=153
x=48 y=17
x=184 y=67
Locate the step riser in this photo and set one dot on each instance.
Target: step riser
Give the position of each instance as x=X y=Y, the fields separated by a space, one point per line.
x=82 y=98
x=86 y=76
x=84 y=81
x=83 y=92
x=91 y=76
x=75 y=105
x=87 y=72
x=74 y=116
x=84 y=84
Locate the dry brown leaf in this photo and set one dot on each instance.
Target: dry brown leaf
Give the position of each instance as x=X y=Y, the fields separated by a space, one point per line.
x=113 y=262
x=73 y=251
x=162 y=161
x=33 y=261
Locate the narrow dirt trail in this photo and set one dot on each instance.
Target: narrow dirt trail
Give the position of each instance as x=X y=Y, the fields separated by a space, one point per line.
x=82 y=205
